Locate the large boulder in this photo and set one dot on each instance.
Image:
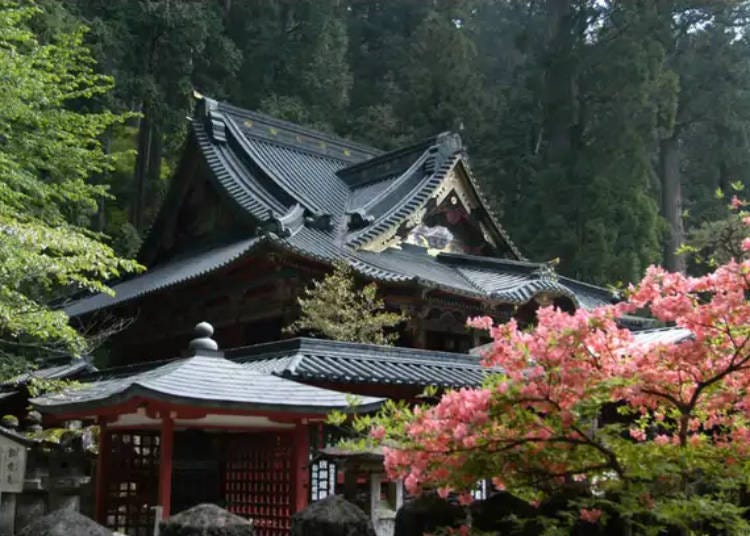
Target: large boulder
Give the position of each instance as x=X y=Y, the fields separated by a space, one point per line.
x=332 y=516
x=427 y=513
x=206 y=520
x=64 y=523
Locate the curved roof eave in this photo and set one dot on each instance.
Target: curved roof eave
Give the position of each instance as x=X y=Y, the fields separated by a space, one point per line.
x=142 y=393
x=165 y=276
x=488 y=209
x=418 y=196
x=185 y=270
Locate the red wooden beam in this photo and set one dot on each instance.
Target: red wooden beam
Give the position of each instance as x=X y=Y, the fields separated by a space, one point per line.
x=151 y=406
x=300 y=466
x=165 y=464
x=102 y=478
x=200 y=426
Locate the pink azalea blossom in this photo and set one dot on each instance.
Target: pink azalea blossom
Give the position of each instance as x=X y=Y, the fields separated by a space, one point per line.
x=591 y=515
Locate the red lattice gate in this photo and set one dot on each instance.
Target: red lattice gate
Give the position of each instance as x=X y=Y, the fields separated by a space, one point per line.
x=132 y=483
x=258 y=481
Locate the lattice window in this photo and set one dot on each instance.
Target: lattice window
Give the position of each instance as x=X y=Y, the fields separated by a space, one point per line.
x=258 y=481
x=133 y=482
x=323 y=473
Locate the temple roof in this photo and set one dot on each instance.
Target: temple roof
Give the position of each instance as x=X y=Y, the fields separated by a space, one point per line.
x=330 y=200
x=165 y=275
x=52 y=369
x=55 y=369
x=322 y=360
x=204 y=381
x=664 y=335
x=645 y=337
x=495 y=280
x=268 y=168
x=266 y=376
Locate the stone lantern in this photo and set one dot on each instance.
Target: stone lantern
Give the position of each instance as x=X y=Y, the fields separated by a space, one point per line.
x=366 y=485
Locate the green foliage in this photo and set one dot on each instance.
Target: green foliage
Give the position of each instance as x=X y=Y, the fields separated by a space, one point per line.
x=48 y=151
x=336 y=309
x=715 y=242
x=294 y=59
x=565 y=106
x=39 y=386
x=158 y=51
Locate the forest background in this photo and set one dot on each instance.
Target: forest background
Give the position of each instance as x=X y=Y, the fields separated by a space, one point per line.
x=602 y=130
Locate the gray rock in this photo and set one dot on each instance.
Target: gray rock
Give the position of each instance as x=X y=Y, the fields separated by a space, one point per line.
x=206 y=520
x=427 y=513
x=64 y=523
x=332 y=516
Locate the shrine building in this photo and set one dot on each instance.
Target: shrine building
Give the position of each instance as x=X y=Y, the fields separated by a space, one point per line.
x=256 y=210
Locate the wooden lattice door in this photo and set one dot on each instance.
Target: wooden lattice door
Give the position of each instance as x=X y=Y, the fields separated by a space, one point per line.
x=258 y=481
x=132 y=482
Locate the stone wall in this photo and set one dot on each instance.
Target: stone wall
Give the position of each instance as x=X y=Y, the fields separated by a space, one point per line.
x=58 y=475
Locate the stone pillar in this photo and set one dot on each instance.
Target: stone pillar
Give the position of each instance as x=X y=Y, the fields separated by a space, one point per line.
x=30 y=506
x=62 y=501
x=69 y=471
x=32 y=503
x=7 y=514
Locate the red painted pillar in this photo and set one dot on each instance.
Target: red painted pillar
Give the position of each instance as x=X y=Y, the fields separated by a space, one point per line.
x=300 y=467
x=102 y=467
x=165 y=464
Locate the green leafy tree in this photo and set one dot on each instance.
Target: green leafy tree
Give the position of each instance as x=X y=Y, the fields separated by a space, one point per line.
x=294 y=60
x=48 y=151
x=603 y=432
x=158 y=51
x=720 y=240
x=601 y=98
x=336 y=309
x=601 y=129
x=713 y=113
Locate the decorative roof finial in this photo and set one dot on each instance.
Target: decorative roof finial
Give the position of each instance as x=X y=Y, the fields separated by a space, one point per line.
x=203 y=340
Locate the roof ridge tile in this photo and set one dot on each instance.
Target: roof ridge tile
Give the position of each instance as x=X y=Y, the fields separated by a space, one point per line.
x=298 y=135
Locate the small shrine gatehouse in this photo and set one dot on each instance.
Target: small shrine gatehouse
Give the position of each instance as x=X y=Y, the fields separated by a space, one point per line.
x=200 y=429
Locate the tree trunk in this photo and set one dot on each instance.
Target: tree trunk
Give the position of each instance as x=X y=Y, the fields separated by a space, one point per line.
x=142 y=160
x=151 y=201
x=101 y=205
x=560 y=80
x=671 y=202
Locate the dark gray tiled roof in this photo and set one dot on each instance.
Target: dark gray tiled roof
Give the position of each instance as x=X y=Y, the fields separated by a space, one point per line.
x=401 y=200
x=668 y=335
x=245 y=186
x=269 y=128
x=363 y=194
x=298 y=170
x=269 y=165
x=68 y=369
x=164 y=276
x=302 y=187
x=322 y=360
x=202 y=381
x=55 y=370
x=412 y=263
x=503 y=281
